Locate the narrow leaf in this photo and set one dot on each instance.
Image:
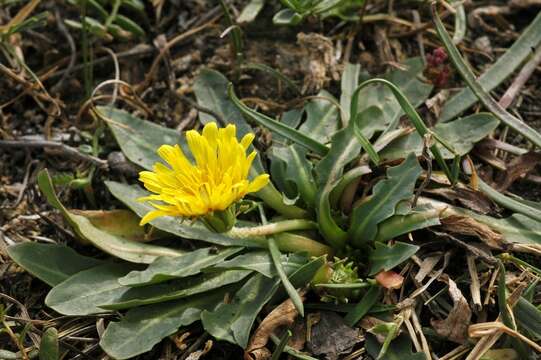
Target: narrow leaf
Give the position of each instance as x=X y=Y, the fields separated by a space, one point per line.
x=508 y=202
x=291 y=291
x=483 y=96
x=297 y=170
x=282 y=129
x=498 y=72
x=363 y=307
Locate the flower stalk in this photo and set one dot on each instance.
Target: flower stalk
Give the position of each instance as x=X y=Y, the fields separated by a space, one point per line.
x=273 y=228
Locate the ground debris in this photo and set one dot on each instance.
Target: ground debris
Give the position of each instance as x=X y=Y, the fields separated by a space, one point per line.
x=455 y=326
x=331 y=337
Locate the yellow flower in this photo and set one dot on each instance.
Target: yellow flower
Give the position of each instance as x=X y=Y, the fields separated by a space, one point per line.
x=217 y=179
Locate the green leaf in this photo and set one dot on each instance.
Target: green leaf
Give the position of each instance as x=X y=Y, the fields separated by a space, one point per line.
x=528 y=317
x=139 y=139
x=414 y=118
x=381 y=96
x=278 y=127
x=365 y=143
x=498 y=72
x=297 y=170
x=250 y=11
x=349 y=82
x=461 y=134
x=400 y=349
x=281 y=345
x=386 y=257
x=290 y=289
x=210 y=89
x=129 y=25
x=261 y=262
x=50 y=263
x=110 y=243
x=83 y=292
x=177 y=289
x=167 y=268
x=398 y=225
x=233 y=321
x=484 y=97
x=387 y=193
x=363 y=307
x=92 y=25
x=344 y=148
x=287 y=17
x=119 y=222
x=508 y=202
x=321 y=118
x=48 y=348
x=143 y=327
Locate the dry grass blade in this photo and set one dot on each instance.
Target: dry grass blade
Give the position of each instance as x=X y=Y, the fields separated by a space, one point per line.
x=21 y=15
x=491 y=328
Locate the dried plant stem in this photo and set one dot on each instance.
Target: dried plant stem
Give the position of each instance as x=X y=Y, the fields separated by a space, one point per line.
x=475 y=288
x=496 y=327
x=65 y=149
x=523 y=76
x=424 y=343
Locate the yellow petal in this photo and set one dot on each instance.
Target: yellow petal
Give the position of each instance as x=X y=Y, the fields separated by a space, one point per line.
x=151 y=216
x=247 y=140
x=258 y=183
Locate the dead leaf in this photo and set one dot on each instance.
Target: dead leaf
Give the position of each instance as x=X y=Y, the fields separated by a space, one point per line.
x=517 y=168
x=120 y=222
x=468 y=198
x=468 y=226
x=479 y=250
x=435 y=103
x=196 y=355
x=331 y=337
x=298 y=339
x=455 y=326
x=426 y=266
x=283 y=315
x=390 y=279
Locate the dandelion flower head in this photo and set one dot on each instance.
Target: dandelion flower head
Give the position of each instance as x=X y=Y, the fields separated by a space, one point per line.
x=216 y=179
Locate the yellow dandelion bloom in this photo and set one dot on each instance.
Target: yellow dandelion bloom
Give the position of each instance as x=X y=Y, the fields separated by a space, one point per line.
x=217 y=179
